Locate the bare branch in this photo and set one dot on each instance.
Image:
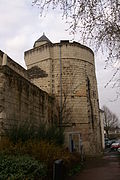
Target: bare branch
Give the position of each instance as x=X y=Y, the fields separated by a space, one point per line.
x=97 y=21
x=110 y=121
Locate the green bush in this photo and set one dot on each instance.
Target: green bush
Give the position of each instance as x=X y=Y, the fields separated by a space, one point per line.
x=26 y=131
x=21 y=168
x=51 y=133
x=21 y=132
x=44 y=143
x=43 y=151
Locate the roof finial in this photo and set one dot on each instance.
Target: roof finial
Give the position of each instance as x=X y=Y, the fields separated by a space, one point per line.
x=43 y=33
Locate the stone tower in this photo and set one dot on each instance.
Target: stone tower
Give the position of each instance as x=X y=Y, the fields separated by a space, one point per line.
x=67 y=71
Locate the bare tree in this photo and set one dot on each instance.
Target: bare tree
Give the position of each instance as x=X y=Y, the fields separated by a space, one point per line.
x=111 y=121
x=70 y=85
x=68 y=88
x=97 y=21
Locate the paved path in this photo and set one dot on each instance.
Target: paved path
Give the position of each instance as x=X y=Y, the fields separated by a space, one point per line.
x=107 y=168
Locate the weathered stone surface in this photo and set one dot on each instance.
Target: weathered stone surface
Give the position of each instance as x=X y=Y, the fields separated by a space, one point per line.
x=36 y=72
x=77 y=80
x=65 y=70
x=22 y=101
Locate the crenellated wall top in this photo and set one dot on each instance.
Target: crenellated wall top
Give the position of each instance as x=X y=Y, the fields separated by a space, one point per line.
x=62 y=42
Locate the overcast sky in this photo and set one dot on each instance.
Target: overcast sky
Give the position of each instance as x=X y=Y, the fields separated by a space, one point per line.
x=21 y=26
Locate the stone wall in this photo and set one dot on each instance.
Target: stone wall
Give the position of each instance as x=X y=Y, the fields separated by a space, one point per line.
x=74 y=87
x=21 y=101
x=41 y=57
x=79 y=87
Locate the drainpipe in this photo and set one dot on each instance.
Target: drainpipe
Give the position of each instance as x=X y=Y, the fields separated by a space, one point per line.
x=60 y=61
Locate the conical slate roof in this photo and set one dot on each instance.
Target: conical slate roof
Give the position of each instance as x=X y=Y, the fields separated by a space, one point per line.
x=43 y=38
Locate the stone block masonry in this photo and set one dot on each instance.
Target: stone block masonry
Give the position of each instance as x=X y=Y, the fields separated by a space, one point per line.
x=71 y=79
x=21 y=101
x=64 y=70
